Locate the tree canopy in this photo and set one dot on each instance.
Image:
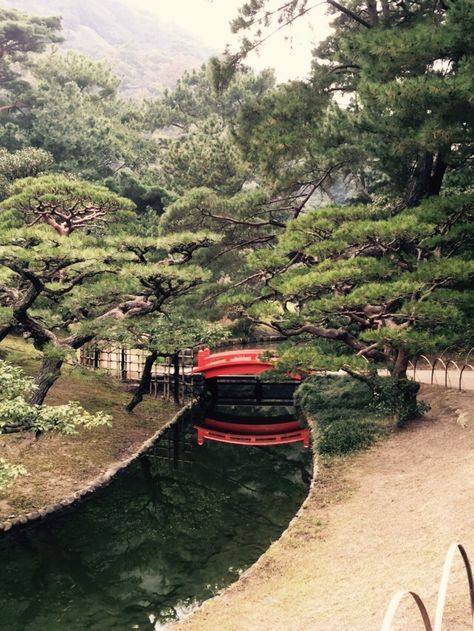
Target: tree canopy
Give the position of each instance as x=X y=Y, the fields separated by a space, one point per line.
x=72 y=258
x=336 y=210
x=383 y=130
x=20 y=35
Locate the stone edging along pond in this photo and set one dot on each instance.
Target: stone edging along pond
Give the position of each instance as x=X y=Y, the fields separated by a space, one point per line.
x=96 y=484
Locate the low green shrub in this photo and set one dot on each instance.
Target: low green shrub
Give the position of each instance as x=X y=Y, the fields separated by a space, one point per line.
x=351 y=414
x=328 y=398
x=397 y=397
x=9 y=472
x=348 y=435
x=17 y=415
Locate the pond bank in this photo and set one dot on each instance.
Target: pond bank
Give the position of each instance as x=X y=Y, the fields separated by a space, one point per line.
x=61 y=469
x=373 y=524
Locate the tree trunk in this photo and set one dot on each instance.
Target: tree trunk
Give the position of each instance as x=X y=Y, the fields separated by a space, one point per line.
x=385 y=11
x=420 y=180
x=427 y=178
x=399 y=369
x=175 y=360
x=437 y=175
x=145 y=381
x=402 y=393
x=48 y=374
x=372 y=11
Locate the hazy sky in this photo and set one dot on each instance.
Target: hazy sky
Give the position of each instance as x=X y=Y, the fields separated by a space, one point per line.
x=209 y=21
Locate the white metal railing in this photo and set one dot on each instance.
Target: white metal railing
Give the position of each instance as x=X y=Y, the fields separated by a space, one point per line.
x=437 y=625
x=450 y=373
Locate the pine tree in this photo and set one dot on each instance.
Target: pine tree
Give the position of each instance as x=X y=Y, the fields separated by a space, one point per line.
x=382 y=287
x=388 y=104
x=77 y=116
x=22 y=37
x=72 y=260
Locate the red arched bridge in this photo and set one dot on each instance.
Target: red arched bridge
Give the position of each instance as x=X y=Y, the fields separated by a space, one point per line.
x=241 y=362
x=233 y=366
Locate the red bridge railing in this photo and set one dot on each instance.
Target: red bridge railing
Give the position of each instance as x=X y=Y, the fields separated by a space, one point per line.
x=240 y=362
x=240 y=438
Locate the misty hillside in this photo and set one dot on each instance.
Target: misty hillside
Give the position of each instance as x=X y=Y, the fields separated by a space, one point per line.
x=146 y=53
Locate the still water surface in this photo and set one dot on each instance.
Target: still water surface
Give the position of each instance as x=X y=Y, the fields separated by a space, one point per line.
x=156 y=542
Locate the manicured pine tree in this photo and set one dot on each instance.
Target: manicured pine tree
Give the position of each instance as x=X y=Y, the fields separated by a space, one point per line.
x=72 y=260
x=359 y=289
x=383 y=280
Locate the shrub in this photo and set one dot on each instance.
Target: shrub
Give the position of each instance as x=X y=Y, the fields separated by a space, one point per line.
x=16 y=414
x=344 y=411
x=13 y=382
x=9 y=472
x=327 y=398
x=397 y=397
x=348 y=435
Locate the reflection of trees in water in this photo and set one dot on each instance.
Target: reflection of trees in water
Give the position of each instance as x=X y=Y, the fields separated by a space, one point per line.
x=157 y=539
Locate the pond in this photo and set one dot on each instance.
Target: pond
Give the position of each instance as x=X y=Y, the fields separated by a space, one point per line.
x=168 y=533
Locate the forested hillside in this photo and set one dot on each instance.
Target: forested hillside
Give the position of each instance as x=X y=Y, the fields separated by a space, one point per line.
x=144 y=52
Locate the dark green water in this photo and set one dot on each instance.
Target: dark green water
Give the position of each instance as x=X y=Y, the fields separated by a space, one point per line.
x=154 y=543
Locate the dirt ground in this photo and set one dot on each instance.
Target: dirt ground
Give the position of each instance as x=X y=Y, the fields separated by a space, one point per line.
x=374 y=523
x=59 y=466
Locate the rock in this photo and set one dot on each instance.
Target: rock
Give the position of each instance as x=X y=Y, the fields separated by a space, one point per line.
x=463 y=419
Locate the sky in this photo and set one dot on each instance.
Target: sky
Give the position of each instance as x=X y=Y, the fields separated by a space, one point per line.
x=209 y=21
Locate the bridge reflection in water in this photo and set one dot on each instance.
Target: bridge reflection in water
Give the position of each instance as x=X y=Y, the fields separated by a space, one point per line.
x=168 y=533
x=241 y=409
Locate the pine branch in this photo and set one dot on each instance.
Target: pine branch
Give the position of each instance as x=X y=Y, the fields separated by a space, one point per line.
x=243 y=222
x=349 y=13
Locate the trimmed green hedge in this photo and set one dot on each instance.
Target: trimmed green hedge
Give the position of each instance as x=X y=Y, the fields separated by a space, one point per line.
x=345 y=412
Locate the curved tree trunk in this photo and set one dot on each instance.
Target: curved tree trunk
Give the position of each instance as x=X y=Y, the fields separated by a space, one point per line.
x=145 y=380
x=399 y=369
x=47 y=376
x=175 y=362
x=405 y=391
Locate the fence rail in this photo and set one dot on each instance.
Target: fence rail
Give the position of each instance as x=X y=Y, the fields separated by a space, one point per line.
x=392 y=609
x=442 y=371
x=172 y=376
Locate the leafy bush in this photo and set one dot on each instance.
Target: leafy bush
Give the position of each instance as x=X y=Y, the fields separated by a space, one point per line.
x=16 y=414
x=9 y=472
x=397 y=397
x=348 y=435
x=347 y=415
x=13 y=382
x=328 y=398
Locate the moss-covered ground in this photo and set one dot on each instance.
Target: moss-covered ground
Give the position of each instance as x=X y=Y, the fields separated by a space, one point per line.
x=58 y=465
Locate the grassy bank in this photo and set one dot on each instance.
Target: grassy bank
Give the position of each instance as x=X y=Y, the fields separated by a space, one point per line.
x=59 y=465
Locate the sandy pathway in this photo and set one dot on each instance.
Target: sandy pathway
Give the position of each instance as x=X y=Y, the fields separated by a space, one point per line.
x=377 y=523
